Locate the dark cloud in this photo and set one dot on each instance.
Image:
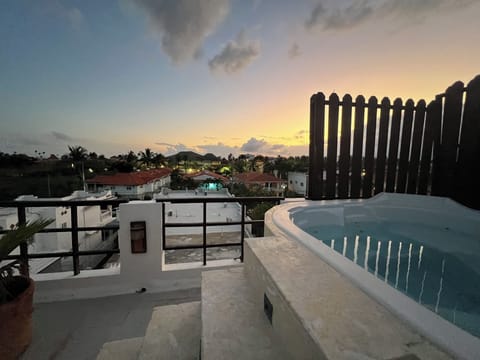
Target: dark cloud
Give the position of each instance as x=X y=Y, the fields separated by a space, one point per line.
x=236 y=55
x=340 y=18
x=316 y=16
x=183 y=25
x=61 y=136
x=357 y=12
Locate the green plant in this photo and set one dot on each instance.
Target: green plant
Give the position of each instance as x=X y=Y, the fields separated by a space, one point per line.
x=9 y=241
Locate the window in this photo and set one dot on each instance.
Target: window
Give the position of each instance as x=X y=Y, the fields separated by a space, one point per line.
x=129 y=188
x=64 y=225
x=301 y=184
x=291 y=182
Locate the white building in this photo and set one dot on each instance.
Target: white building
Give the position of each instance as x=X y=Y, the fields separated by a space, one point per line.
x=134 y=185
x=297 y=182
x=87 y=216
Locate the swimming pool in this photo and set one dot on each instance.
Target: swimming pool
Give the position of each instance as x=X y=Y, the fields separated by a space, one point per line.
x=405 y=251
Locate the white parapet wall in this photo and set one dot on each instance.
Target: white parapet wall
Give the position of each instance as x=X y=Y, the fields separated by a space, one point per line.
x=136 y=272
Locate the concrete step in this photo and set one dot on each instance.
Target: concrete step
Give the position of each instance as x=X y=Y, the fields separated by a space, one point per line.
x=234 y=325
x=127 y=349
x=173 y=333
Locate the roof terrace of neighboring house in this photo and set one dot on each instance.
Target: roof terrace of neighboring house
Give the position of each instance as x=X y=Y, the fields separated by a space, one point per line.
x=134 y=185
x=268 y=182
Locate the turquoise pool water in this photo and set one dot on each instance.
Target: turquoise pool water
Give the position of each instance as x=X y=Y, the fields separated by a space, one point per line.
x=404 y=256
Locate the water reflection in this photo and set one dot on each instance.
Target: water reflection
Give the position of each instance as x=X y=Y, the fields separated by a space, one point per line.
x=439 y=281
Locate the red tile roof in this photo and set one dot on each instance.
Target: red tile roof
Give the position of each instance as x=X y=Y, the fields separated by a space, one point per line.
x=254 y=177
x=133 y=178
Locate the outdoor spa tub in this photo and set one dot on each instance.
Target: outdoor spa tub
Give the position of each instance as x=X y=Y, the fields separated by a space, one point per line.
x=419 y=256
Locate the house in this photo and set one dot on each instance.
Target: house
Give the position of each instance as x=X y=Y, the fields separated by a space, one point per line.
x=297 y=182
x=61 y=241
x=208 y=180
x=267 y=182
x=134 y=185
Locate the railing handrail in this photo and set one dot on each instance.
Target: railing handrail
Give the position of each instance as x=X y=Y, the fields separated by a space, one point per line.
x=242 y=199
x=75 y=252
x=204 y=201
x=64 y=203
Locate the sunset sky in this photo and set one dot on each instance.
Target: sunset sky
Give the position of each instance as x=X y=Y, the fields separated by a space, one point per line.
x=221 y=76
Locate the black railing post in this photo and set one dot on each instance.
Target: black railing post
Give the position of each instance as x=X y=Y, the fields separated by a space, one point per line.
x=22 y=219
x=205 y=232
x=164 y=241
x=76 y=258
x=242 y=232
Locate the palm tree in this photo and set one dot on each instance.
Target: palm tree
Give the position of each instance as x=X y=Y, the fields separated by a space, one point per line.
x=159 y=159
x=77 y=153
x=131 y=157
x=146 y=157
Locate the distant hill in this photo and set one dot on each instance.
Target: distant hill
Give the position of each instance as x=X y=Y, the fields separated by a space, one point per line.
x=192 y=156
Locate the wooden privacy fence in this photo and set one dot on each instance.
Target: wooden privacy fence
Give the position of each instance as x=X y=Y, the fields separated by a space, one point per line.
x=359 y=148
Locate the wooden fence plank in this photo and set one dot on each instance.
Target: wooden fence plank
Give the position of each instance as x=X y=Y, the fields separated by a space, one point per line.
x=344 y=157
x=356 y=176
x=370 y=147
x=446 y=154
x=333 y=105
x=316 y=152
x=393 y=148
x=416 y=147
x=405 y=147
x=382 y=146
x=467 y=190
x=432 y=124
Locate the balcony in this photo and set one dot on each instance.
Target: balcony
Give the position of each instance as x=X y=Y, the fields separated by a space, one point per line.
x=265 y=307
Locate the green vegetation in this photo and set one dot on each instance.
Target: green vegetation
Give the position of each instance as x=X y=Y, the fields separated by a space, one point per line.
x=44 y=176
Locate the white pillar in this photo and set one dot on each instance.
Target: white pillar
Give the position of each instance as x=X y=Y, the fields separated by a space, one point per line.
x=144 y=265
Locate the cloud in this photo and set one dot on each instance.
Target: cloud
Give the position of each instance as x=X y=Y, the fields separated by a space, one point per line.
x=294 y=51
x=235 y=55
x=170 y=149
x=253 y=145
x=183 y=25
x=340 y=18
x=61 y=136
x=219 y=149
x=301 y=135
x=357 y=12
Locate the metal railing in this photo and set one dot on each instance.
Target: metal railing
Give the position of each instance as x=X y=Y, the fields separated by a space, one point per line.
x=243 y=201
x=75 y=251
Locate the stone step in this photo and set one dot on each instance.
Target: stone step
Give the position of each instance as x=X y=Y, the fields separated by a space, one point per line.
x=234 y=325
x=173 y=333
x=127 y=349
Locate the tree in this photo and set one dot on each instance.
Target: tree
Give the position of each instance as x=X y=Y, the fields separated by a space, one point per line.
x=77 y=153
x=131 y=157
x=159 y=159
x=146 y=157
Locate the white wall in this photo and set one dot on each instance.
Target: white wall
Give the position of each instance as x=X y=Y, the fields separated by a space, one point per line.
x=297 y=182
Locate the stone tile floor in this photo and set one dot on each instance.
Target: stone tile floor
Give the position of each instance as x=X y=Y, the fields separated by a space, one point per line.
x=77 y=329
